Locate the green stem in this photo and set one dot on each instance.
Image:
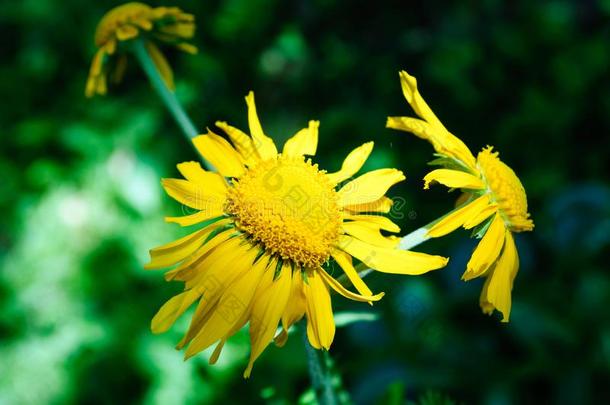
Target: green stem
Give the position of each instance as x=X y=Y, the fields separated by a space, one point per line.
x=321 y=381
x=167 y=96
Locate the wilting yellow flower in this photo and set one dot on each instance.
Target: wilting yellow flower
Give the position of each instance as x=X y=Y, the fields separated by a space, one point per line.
x=493 y=202
x=169 y=25
x=269 y=223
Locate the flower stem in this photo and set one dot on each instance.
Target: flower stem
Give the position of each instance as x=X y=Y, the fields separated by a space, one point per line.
x=319 y=372
x=167 y=96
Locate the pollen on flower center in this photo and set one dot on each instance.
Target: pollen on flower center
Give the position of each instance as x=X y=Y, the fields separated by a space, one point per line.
x=117 y=17
x=507 y=190
x=290 y=207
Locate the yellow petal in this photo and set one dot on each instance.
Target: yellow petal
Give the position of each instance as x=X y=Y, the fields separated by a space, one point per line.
x=369 y=187
x=352 y=163
x=188 y=48
x=211 y=182
x=180 y=30
x=267 y=309
x=172 y=309
x=391 y=260
x=220 y=154
x=500 y=282
x=442 y=140
x=192 y=219
x=379 y=221
x=126 y=32
x=369 y=233
x=453 y=179
x=191 y=268
x=295 y=309
x=487 y=250
x=335 y=285
x=173 y=252
x=225 y=264
x=232 y=304
x=383 y=205
x=457 y=218
x=242 y=143
x=320 y=321
x=485 y=213
x=119 y=69
x=344 y=260
x=408 y=84
x=304 y=142
x=193 y=195
x=263 y=144
x=161 y=64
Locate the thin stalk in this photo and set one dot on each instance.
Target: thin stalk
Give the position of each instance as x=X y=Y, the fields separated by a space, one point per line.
x=167 y=96
x=321 y=381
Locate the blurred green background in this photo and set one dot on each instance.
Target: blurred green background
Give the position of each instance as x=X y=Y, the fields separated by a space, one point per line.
x=82 y=204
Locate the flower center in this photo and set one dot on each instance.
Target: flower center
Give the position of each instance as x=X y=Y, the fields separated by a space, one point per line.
x=290 y=207
x=117 y=17
x=506 y=189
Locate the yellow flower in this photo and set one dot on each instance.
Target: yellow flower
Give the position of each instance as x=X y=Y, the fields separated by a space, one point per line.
x=493 y=202
x=269 y=223
x=132 y=20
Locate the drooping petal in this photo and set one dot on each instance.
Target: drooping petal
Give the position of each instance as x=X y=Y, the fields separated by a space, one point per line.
x=295 y=307
x=457 y=218
x=263 y=144
x=268 y=307
x=232 y=304
x=344 y=260
x=454 y=179
x=220 y=154
x=369 y=233
x=382 y=205
x=391 y=260
x=304 y=142
x=497 y=290
x=161 y=64
x=242 y=143
x=335 y=285
x=320 y=321
x=488 y=249
x=172 y=309
x=369 y=187
x=352 y=163
x=225 y=264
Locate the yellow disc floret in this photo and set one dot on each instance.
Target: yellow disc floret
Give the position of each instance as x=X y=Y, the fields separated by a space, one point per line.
x=506 y=190
x=288 y=206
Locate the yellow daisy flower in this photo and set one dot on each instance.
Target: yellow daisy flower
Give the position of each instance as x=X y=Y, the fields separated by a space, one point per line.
x=493 y=202
x=132 y=20
x=269 y=223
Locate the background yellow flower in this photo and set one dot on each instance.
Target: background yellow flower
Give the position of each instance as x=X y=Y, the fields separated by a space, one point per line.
x=493 y=204
x=168 y=25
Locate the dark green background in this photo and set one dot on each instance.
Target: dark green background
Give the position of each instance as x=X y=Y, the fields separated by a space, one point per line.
x=81 y=201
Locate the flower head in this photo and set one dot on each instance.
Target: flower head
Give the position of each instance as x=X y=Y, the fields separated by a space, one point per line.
x=269 y=224
x=169 y=25
x=493 y=202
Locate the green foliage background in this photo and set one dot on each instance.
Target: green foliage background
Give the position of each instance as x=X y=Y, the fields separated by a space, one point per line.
x=82 y=204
